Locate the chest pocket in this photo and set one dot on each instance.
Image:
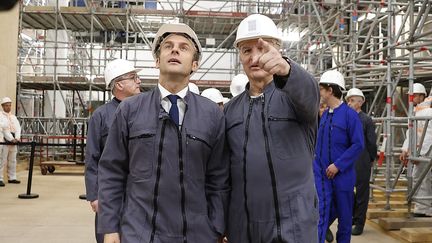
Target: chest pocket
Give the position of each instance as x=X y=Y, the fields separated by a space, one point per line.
x=142 y=153
x=339 y=132
x=198 y=151
x=284 y=129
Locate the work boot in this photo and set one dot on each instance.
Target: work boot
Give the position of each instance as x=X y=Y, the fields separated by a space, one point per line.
x=14 y=181
x=2 y=183
x=329 y=235
x=357 y=230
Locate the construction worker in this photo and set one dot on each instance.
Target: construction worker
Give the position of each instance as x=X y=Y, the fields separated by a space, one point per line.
x=423 y=207
x=339 y=144
x=238 y=84
x=214 y=95
x=12 y=135
x=270 y=132
x=355 y=100
x=162 y=176
x=121 y=77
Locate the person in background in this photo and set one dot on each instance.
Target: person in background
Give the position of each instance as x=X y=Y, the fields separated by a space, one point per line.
x=363 y=165
x=422 y=208
x=163 y=177
x=121 y=78
x=193 y=88
x=339 y=143
x=12 y=135
x=238 y=84
x=270 y=129
x=214 y=95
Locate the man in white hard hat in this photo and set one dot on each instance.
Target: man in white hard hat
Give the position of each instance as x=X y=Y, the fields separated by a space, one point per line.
x=12 y=134
x=121 y=78
x=355 y=99
x=338 y=145
x=419 y=95
x=271 y=132
x=214 y=95
x=163 y=175
x=422 y=208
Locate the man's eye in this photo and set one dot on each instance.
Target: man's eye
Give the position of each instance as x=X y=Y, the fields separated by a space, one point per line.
x=166 y=46
x=246 y=51
x=184 y=48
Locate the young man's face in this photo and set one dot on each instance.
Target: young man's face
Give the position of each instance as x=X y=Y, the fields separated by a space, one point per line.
x=355 y=102
x=250 y=52
x=7 y=107
x=325 y=93
x=177 y=56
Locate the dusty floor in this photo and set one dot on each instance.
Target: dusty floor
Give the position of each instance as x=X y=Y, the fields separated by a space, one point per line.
x=58 y=216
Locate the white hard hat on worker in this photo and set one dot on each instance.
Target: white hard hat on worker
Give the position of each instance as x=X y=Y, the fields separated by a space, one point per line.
x=179 y=28
x=238 y=84
x=117 y=68
x=6 y=100
x=354 y=92
x=333 y=77
x=257 y=26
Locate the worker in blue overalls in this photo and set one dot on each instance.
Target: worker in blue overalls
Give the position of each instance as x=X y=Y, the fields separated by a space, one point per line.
x=339 y=144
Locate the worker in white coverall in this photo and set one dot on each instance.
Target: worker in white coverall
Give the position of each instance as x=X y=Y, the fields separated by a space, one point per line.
x=9 y=151
x=422 y=208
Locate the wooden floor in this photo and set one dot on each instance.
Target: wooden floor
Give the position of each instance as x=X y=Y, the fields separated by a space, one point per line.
x=58 y=216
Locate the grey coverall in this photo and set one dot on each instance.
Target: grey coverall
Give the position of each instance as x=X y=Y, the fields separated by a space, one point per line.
x=97 y=133
x=175 y=181
x=271 y=141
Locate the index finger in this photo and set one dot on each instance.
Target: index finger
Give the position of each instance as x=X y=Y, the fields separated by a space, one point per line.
x=265 y=45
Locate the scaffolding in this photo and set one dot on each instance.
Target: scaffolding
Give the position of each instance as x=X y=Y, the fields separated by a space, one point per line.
x=381 y=46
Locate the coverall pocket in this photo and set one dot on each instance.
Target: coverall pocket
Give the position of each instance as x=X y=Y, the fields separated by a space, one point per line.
x=198 y=149
x=339 y=134
x=141 y=153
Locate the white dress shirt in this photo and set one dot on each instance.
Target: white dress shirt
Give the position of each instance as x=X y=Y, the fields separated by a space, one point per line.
x=166 y=104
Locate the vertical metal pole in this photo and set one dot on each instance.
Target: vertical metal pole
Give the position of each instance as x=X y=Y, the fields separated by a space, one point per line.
x=28 y=194
x=412 y=141
x=353 y=27
x=75 y=127
x=387 y=130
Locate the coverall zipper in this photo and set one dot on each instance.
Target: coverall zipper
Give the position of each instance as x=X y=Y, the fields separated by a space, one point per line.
x=156 y=186
x=272 y=173
x=244 y=170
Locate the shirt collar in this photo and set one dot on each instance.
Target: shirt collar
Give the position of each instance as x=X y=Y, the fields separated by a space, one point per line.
x=164 y=92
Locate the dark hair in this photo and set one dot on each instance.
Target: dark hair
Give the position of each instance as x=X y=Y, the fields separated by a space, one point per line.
x=336 y=90
x=196 y=54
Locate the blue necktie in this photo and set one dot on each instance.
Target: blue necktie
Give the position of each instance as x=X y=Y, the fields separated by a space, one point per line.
x=174 y=112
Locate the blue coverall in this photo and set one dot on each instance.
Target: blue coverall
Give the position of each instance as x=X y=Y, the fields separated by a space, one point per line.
x=340 y=141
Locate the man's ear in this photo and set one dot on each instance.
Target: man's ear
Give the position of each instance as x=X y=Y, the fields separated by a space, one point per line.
x=194 y=66
x=120 y=85
x=157 y=63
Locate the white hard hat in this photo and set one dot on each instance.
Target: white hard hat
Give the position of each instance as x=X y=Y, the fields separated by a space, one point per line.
x=166 y=29
x=116 y=68
x=6 y=100
x=193 y=88
x=257 y=26
x=354 y=92
x=333 y=77
x=419 y=89
x=214 y=95
x=238 y=84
